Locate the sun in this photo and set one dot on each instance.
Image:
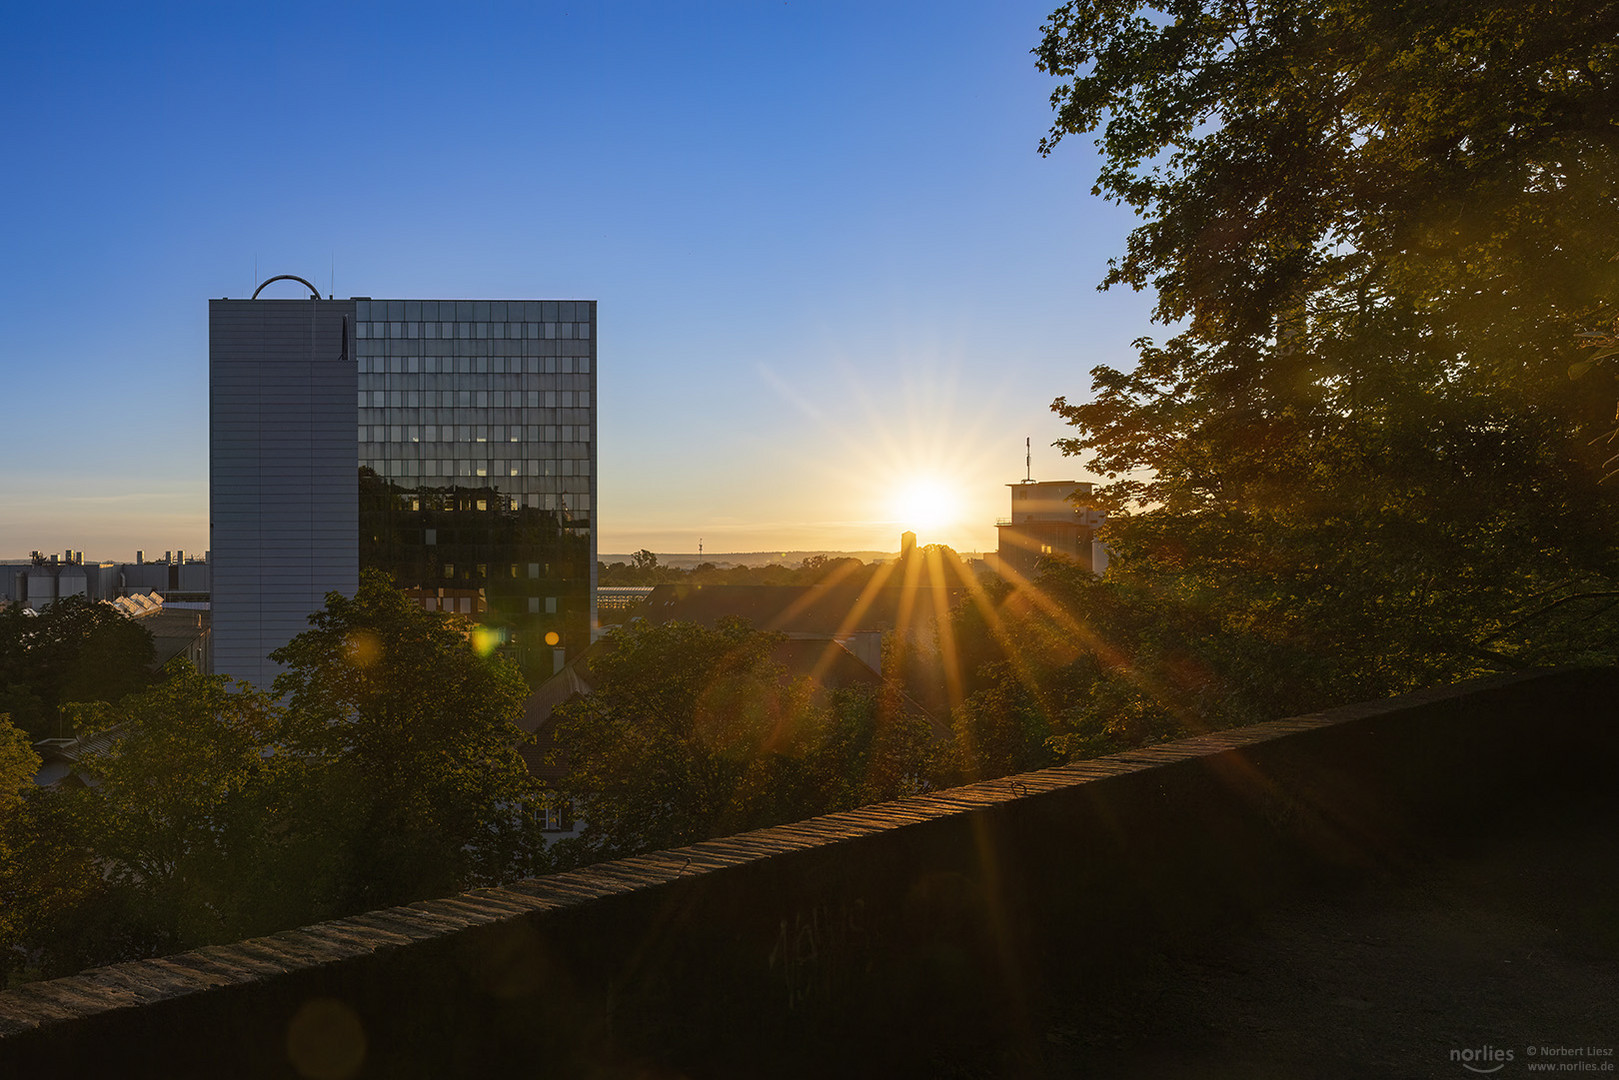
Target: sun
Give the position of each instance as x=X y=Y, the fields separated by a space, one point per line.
x=926 y=504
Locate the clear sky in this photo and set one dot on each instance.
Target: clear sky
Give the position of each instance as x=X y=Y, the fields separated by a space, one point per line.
x=830 y=264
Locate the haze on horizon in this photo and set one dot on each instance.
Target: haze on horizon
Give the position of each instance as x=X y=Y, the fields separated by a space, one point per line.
x=838 y=286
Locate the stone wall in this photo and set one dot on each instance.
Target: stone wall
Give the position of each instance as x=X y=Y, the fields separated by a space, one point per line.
x=884 y=935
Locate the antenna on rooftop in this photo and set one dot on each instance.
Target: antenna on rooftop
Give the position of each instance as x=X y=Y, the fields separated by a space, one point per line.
x=1028 y=461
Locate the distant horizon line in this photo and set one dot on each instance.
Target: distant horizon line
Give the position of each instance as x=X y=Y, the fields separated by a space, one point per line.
x=780 y=553
x=775 y=552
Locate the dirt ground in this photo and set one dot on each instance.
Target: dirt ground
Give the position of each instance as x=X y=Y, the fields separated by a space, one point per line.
x=1507 y=947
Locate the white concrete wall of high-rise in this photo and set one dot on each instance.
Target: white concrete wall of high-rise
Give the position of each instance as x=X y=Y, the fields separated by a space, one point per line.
x=283 y=473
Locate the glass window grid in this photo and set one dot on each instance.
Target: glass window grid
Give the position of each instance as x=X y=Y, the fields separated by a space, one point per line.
x=528 y=387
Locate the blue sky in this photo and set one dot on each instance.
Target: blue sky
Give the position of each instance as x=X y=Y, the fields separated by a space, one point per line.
x=830 y=264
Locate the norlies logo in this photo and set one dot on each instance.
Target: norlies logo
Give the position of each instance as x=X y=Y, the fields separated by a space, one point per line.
x=1484 y=1059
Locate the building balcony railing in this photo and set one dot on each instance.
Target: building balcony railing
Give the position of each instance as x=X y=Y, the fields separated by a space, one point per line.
x=1036 y=519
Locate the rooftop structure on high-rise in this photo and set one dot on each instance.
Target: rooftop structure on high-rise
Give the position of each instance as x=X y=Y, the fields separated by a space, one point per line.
x=1048 y=521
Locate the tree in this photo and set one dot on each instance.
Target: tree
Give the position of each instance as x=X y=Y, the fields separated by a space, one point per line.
x=75 y=650
x=656 y=754
x=693 y=733
x=164 y=838
x=870 y=750
x=177 y=816
x=387 y=773
x=411 y=728
x=1357 y=465
x=18 y=765
x=1004 y=728
x=1314 y=173
x=1604 y=344
x=1352 y=207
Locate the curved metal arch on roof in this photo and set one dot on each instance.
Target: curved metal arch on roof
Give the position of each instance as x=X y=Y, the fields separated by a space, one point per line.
x=314 y=293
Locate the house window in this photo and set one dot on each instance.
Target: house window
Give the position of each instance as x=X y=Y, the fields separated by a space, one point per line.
x=554 y=819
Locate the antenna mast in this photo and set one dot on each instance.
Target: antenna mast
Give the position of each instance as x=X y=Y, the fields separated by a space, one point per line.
x=1028 y=461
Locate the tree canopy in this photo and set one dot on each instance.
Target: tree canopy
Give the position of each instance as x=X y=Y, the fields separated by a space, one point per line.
x=77 y=649
x=1316 y=177
x=1355 y=211
x=382 y=771
x=18 y=764
x=1375 y=231
x=166 y=837
x=413 y=725
x=693 y=733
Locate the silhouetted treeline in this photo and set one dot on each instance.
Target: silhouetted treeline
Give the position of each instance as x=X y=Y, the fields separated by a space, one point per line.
x=644 y=569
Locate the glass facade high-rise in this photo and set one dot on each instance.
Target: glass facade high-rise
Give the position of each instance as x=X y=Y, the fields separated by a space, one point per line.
x=476 y=447
x=448 y=442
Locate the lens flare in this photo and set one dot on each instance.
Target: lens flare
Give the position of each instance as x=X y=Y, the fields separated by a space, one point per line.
x=486 y=639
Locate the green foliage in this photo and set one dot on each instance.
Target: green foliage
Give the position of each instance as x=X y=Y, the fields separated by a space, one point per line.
x=693 y=733
x=75 y=650
x=1304 y=166
x=871 y=750
x=1357 y=466
x=165 y=847
x=658 y=753
x=18 y=764
x=1079 y=666
x=1003 y=728
x=1370 y=218
x=59 y=914
x=1604 y=346
x=413 y=733
x=385 y=774
x=185 y=759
